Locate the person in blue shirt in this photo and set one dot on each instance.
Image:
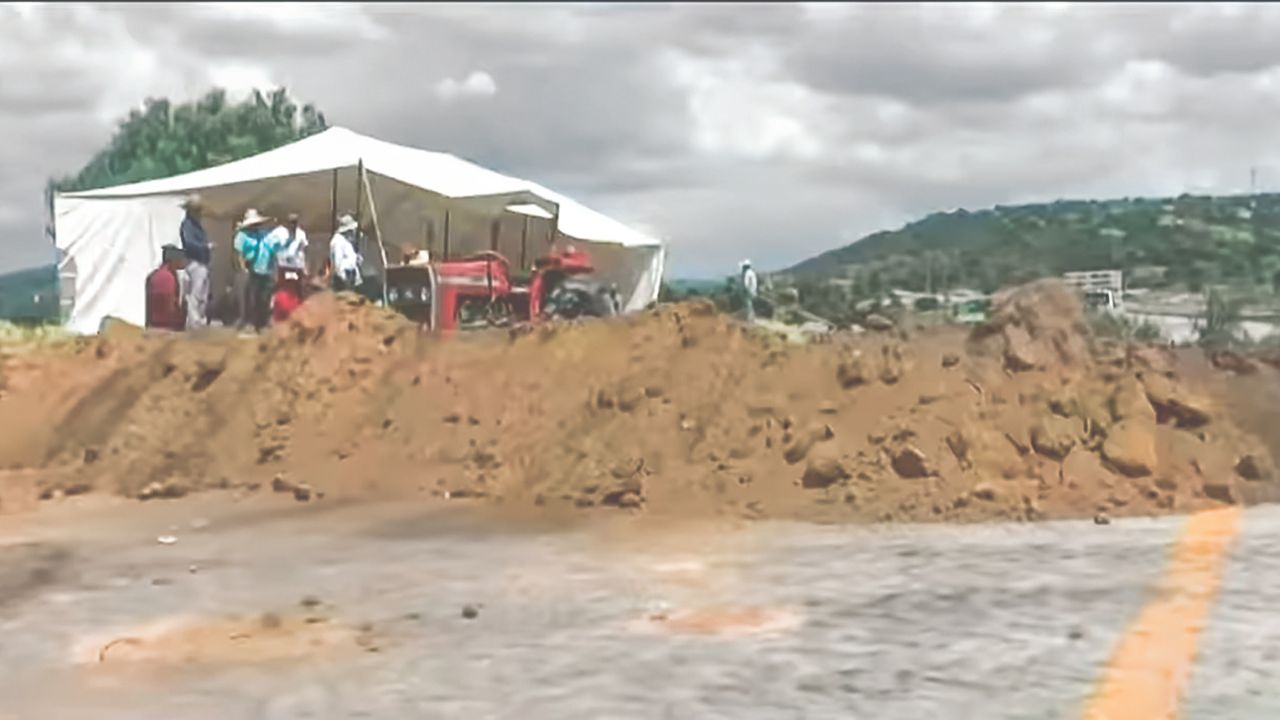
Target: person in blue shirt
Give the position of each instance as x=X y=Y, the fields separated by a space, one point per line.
x=256 y=249
x=195 y=245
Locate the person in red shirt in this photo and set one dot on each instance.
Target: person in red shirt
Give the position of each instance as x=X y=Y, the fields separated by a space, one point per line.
x=165 y=307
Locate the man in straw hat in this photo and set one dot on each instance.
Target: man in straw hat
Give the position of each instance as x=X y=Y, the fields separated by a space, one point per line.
x=256 y=249
x=195 y=245
x=343 y=256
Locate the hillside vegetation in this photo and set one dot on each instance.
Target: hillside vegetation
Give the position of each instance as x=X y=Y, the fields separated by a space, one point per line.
x=30 y=296
x=1188 y=242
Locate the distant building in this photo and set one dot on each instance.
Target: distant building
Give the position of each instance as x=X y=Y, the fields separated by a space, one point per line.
x=1102 y=289
x=1088 y=280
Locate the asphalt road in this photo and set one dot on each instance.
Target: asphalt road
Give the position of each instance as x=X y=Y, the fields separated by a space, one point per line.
x=988 y=622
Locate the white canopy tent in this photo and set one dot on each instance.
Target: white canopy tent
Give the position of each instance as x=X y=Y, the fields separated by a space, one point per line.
x=111 y=238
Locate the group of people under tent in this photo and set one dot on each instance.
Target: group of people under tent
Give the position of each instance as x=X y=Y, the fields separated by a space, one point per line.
x=270 y=258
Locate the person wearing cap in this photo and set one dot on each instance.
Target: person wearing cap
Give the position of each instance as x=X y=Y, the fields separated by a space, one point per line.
x=750 y=287
x=343 y=257
x=291 y=264
x=255 y=247
x=195 y=244
x=165 y=309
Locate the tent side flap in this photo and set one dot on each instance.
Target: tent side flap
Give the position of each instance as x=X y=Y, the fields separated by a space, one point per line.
x=114 y=244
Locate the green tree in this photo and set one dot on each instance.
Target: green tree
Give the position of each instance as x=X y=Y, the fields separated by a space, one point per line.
x=161 y=139
x=1222 y=314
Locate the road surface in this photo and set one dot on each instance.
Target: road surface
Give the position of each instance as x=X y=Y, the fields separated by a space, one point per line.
x=626 y=619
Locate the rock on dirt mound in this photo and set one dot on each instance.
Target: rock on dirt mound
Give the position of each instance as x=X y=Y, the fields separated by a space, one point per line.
x=1037 y=326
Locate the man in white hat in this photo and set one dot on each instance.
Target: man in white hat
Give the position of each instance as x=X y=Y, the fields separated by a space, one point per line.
x=343 y=256
x=256 y=249
x=195 y=245
x=750 y=287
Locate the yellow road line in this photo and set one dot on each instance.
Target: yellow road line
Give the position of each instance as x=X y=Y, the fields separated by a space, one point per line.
x=1147 y=672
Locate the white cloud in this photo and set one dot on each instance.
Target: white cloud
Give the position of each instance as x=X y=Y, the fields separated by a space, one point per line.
x=324 y=19
x=738 y=110
x=846 y=117
x=478 y=84
x=240 y=79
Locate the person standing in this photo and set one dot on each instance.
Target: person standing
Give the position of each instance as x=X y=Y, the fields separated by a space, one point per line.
x=343 y=258
x=254 y=246
x=165 y=309
x=291 y=241
x=291 y=263
x=750 y=287
x=195 y=244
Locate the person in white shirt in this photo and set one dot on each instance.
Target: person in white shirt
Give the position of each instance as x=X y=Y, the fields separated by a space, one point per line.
x=750 y=286
x=343 y=256
x=292 y=243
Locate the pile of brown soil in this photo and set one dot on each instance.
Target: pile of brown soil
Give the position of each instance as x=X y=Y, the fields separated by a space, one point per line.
x=679 y=410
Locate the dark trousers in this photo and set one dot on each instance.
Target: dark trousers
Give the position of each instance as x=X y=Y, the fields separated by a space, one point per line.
x=343 y=283
x=255 y=308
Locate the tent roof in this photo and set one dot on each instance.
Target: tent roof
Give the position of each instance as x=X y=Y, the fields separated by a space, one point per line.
x=436 y=172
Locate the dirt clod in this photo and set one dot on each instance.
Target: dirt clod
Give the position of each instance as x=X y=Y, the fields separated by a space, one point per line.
x=911 y=462
x=1130 y=448
x=823 y=469
x=1253 y=467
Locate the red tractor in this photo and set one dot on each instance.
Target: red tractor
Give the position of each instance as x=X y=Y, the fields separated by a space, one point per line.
x=478 y=291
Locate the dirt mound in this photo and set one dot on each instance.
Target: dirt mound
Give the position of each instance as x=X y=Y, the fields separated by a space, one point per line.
x=678 y=410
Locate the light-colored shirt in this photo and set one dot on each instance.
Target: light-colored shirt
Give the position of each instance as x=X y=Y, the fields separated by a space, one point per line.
x=343 y=256
x=291 y=252
x=750 y=282
x=257 y=247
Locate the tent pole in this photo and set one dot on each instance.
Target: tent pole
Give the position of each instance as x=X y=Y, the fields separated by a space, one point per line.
x=359 y=197
x=333 y=206
x=495 y=228
x=524 y=244
x=446 y=234
x=377 y=231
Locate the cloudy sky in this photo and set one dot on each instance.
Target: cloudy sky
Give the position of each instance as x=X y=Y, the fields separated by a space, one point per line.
x=768 y=131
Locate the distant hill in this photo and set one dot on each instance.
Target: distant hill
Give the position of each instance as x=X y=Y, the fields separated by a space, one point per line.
x=1188 y=241
x=30 y=295
x=687 y=285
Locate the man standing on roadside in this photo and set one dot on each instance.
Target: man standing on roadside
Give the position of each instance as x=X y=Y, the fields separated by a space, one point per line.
x=750 y=286
x=254 y=245
x=195 y=244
